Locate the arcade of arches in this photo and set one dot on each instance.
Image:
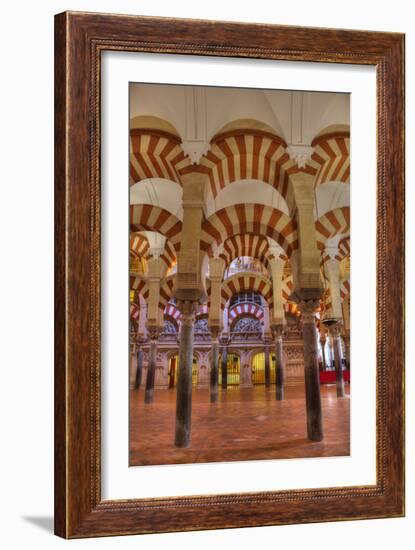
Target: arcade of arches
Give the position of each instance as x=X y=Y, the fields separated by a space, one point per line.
x=239 y=270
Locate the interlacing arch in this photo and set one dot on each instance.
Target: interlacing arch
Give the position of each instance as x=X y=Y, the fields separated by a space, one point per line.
x=335 y=222
x=250 y=218
x=249 y=282
x=331 y=157
x=155 y=154
x=248 y=154
x=153 y=218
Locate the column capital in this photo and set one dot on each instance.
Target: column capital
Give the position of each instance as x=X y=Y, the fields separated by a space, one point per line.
x=308 y=310
x=335 y=329
x=278 y=331
x=188 y=309
x=153 y=332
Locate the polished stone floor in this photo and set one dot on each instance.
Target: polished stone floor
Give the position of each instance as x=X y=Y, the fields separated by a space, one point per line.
x=246 y=424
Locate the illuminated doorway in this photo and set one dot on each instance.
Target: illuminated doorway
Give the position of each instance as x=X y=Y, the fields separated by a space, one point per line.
x=258 y=368
x=234 y=369
x=174 y=368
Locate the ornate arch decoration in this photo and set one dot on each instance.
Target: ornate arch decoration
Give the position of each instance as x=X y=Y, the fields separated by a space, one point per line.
x=335 y=222
x=249 y=282
x=139 y=283
x=140 y=247
x=245 y=309
x=257 y=219
x=172 y=311
x=331 y=157
x=155 y=154
x=153 y=218
x=248 y=154
x=169 y=320
x=344 y=249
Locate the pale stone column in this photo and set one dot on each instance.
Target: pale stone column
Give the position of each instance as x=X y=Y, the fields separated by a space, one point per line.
x=311 y=372
x=184 y=376
x=279 y=362
x=323 y=350
x=335 y=331
x=214 y=369
x=153 y=333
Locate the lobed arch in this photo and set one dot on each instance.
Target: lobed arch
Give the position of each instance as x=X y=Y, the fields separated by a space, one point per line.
x=257 y=219
x=146 y=217
x=248 y=282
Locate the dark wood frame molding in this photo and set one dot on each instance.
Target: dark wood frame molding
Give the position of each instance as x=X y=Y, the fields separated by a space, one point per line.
x=79 y=40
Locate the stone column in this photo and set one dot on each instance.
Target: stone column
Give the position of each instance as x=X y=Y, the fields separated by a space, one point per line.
x=152 y=359
x=311 y=372
x=214 y=368
x=346 y=338
x=224 y=381
x=279 y=363
x=139 y=371
x=335 y=331
x=184 y=376
x=267 y=365
x=323 y=350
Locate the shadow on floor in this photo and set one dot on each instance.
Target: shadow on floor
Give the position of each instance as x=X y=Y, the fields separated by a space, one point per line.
x=43 y=522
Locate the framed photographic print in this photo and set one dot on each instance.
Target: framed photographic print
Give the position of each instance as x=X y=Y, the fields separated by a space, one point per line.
x=229 y=281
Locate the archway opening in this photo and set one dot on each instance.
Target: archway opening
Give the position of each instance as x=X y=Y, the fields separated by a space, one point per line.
x=174 y=369
x=258 y=368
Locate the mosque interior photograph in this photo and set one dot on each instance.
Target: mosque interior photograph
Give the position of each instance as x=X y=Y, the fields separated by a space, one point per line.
x=239 y=274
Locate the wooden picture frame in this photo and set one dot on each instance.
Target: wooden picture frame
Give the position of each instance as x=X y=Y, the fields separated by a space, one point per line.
x=79 y=40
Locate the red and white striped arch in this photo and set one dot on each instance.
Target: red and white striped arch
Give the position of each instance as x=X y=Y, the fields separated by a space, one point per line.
x=345 y=289
x=134 y=311
x=139 y=246
x=240 y=310
x=139 y=283
x=154 y=218
x=246 y=283
x=335 y=222
x=173 y=312
x=332 y=158
x=257 y=219
x=166 y=291
x=287 y=287
x=292 y=309
x=247 y=154
x=155 y=154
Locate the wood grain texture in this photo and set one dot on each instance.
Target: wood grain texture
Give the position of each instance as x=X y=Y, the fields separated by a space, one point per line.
x=79 y=39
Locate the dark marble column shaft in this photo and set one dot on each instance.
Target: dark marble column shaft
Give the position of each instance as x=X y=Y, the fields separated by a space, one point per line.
x=139 y=371
x=311 y=372
x=267 y=367
x=224 y=367
x=184 y=380
x=214 y=369
x=323 y=352
x=151 y=370
x=335 y=332
x=279 y=367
